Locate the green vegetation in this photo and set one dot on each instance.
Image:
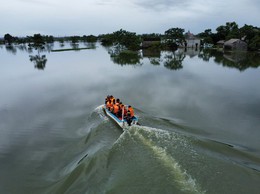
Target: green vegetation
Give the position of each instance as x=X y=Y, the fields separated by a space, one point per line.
x=248 y=33
x=39 y=61
x=174 y=37
x=171 y=38
x=126 y=57
x=121 y=38
x=238 y=60
x=70 y=49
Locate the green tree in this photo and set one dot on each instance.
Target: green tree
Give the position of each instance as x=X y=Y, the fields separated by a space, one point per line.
x=233 y=30
x=106 y=39
x=254 y=43
x=174 y=37
x=221 y=32
x=151 y=37
x=127 y=39
x=207 y=36
x=74 y=39
x=121 y=39
x=251 y=35
x=38 y=41
x=49 y=39
x=228 y=31
x=90 y=38
x=8 y=38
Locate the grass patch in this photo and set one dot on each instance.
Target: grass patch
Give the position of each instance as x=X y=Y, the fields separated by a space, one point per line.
x=70 y=49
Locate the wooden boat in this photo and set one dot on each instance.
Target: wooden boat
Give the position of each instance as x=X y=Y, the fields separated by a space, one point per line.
x=122 y=122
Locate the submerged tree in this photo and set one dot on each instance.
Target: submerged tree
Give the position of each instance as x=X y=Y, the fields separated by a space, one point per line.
x=228 y=31
x=174 y=37
x=36 y=41
x=39 y=61
x=121 y=39
x=127 y=39
x=251 y=35
x=11 y=48
x=90 y=38
x=207 y=36
x=8 y=38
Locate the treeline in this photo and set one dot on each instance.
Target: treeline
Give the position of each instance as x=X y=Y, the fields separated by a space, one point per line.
x=172 y=38
x=248 y=33
x=42 y=39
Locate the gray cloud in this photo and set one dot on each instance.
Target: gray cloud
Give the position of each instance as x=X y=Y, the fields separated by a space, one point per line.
x=162 y=4
x=65 y=17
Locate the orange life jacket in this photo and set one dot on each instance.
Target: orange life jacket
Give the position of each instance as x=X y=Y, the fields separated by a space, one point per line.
x=108 y=104
x=115 y=108
x=131 y=111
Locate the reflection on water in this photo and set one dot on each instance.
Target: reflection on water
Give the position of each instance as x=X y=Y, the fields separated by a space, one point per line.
x=238 y=60
x=125 y=57
x=11 y=48
x=151 y=53
x=173 y=59
x=74 y=45
x=39 y=61
x=53 y=139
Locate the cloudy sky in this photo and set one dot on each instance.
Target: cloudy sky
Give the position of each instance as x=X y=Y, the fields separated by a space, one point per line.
x=84 y=17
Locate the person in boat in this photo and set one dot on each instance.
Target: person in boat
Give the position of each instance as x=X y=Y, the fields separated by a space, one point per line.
x=109 y=105
x=118 y=102
x=131 y=110
x=112 y=104
x=106 y=102
x=129 y=115
x=112 y=99
x=115 y=109
x=107 y=99
x=122 y=110
x=128 y=118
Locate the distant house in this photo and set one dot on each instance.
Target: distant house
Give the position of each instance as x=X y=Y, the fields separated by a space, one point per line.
x=148 y=44
x=235 y=44
x=191 y=41
x=220 y=44
x=151 y=42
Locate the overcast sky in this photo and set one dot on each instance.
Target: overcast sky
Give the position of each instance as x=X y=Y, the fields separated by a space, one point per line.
x=85 y=17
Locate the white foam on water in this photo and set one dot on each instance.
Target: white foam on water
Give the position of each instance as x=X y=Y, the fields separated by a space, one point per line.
x=183 y=180
x=100 y=112
x=99 y=107
x=92 y=124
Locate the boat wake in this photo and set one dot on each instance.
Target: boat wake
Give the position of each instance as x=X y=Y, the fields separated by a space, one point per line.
x=151 y=138
x=156 y=142
x=100 y=112
x=139 y=159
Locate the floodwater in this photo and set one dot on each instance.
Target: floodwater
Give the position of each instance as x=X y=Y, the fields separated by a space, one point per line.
x=199 y=110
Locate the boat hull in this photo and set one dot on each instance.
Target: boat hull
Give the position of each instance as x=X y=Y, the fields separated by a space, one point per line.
x=121 y=122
